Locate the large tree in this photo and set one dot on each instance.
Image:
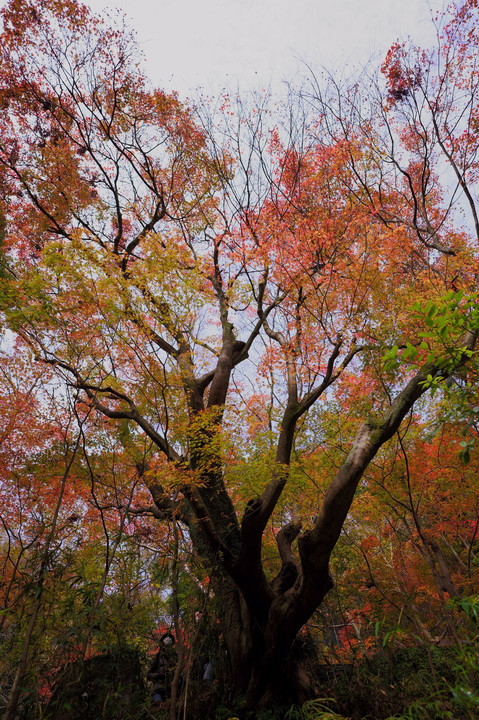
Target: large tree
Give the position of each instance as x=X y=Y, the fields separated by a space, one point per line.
x=185 y=274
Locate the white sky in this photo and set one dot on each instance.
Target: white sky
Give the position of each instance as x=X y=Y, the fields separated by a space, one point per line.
x=217 y=43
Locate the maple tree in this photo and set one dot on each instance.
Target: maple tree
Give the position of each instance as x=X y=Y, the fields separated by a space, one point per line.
x=415 y=549
x=73 y=566
x=218 y=292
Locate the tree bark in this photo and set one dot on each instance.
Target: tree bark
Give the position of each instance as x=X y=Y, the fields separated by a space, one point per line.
x=268 y=643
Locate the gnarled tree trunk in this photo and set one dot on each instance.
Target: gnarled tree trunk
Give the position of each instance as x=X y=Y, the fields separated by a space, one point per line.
x=261 y=620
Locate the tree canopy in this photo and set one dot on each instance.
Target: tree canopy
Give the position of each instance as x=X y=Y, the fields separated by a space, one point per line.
x=223 y=322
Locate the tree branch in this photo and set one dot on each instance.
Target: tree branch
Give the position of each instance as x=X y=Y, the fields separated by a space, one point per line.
x=290 y=565
x=317 y=544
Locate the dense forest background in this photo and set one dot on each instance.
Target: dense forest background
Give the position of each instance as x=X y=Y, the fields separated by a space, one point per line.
x=238 y=384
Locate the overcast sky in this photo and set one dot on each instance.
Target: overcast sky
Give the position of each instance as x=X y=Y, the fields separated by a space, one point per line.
x=216 y=43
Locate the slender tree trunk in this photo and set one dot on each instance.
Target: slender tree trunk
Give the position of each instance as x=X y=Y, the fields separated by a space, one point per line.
x=176 y=619
x=15 y=692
